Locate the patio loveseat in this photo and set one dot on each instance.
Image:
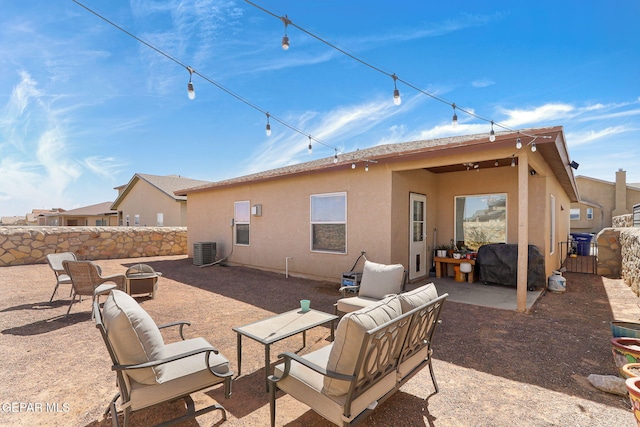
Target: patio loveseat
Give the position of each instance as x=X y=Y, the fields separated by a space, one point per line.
x=376 y=350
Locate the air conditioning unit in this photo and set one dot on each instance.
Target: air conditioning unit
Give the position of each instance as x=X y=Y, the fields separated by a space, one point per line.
x=204 y=253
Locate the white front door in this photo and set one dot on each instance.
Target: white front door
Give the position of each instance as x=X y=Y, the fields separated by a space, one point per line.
x=417 y=236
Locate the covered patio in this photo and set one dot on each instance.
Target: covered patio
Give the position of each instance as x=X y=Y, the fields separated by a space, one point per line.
x=494 y=365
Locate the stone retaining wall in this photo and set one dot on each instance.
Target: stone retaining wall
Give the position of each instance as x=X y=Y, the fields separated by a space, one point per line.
x=30 y=245
x=619 y=255
x=622 y=221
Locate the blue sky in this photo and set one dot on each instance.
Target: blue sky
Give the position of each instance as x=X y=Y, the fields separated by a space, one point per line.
x=84 y=106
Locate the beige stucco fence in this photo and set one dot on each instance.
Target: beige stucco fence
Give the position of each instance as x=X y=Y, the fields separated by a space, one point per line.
x=30 y=245
x=619 y=252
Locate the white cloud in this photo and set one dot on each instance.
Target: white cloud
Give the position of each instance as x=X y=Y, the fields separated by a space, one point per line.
x=544 y=113
x=589 y=136
x=482 y=83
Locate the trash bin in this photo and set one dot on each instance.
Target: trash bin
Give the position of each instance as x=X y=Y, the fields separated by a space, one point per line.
x=583 y=242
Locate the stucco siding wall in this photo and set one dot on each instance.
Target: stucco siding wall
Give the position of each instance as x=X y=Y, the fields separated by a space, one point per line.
x=283 y=230
x=147 y=201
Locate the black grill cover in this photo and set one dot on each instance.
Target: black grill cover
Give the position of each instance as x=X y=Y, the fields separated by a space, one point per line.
x=498 y=263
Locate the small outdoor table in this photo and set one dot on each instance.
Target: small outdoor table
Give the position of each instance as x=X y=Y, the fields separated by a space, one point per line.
x=278 y=327
x=142 y=279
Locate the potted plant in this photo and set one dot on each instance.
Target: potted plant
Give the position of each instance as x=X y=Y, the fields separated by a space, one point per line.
x=441 y=251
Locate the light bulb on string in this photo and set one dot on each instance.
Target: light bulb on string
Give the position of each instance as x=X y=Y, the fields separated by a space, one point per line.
x=335 y=155
x=454 y=120
x=310 y=147
x=496 y=164
x=533 y=147
x=513 y=161
x=518 y=143
x=191 y=93
x=285 y=39
x=492 y=134
x=268 y=127
x=353 y=165
x=396 y=93
x=366 y=167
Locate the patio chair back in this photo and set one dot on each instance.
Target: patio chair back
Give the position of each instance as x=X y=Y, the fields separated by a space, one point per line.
x=86 y=278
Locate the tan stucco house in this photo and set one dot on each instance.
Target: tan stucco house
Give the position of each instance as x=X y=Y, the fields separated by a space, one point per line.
x=93 y=215
x=395 y=202
x=149 y=200
x=600 y=201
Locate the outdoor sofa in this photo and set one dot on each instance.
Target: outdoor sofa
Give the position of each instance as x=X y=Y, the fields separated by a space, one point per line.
x=376 y=350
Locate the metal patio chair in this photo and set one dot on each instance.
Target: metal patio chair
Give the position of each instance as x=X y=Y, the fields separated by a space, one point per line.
x=55 y=262
x=87 y=279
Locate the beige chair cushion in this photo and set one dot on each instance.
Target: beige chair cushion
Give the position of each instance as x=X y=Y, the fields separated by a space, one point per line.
x=134 y=336
x=306 y=386
x=380 y=280
x=348 y=340
x=183 y=376
x=417 y=297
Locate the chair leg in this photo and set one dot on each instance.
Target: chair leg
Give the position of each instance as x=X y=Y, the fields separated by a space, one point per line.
x=433 y=376
x=73 y=298
x=272 y=403
x=54 y=292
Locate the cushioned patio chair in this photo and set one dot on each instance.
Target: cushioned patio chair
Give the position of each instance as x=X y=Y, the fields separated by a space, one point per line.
x=55 y=262
x=378 y=281
x=87 y=279
x=149 y=371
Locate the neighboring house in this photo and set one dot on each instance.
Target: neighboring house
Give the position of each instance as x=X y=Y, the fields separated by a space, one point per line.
x=389 y=201
x=149 y=200
x=93 y=215
x=600 y=201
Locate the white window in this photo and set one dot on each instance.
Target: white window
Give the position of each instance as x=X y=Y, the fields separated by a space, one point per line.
x=241 y=222
x=589 y=213
x=160 y=219
x=552 y=224
x=329 y=222
x=575 y=214
x=136 y=219
x=128 y=221
x=480 y=220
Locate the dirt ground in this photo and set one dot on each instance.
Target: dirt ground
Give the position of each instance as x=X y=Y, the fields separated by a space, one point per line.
x=494 y=367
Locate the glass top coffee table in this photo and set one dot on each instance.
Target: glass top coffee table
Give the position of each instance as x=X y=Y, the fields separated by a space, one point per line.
x=278 y=327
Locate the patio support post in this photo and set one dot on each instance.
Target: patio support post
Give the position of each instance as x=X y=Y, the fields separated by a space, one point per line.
x=523 y=229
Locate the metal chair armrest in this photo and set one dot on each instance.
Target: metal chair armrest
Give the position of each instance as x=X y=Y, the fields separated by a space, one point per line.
x=288 y=357
x=180 y=323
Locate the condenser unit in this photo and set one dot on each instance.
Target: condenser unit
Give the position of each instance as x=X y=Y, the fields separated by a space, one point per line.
x=204 y=253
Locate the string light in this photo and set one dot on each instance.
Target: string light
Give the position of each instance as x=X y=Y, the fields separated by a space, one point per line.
x=513 y=160
x=396 y=93
x=518 y=143
x=268 y=127
x=335 y=155
x=353 y=165
x=366 y=167
x=492 y=134
x=310 y=147
x=454 y=120
x=496 y=164
x=285 y=38
x=191 y=93
x=533 y=147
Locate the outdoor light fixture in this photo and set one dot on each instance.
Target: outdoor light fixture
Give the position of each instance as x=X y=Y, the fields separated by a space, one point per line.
x=285 y=39
x=268 y=128
x=496 y=164
x=353 y=165
x=335 y=155
x=518 y=143
x=492 y=134
x=513 y=161
x=396 y=93
x=366 y=167
x=454 y=120
x=310 y=147
x=574 y=165
x=191 y=93
x=533 y=147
